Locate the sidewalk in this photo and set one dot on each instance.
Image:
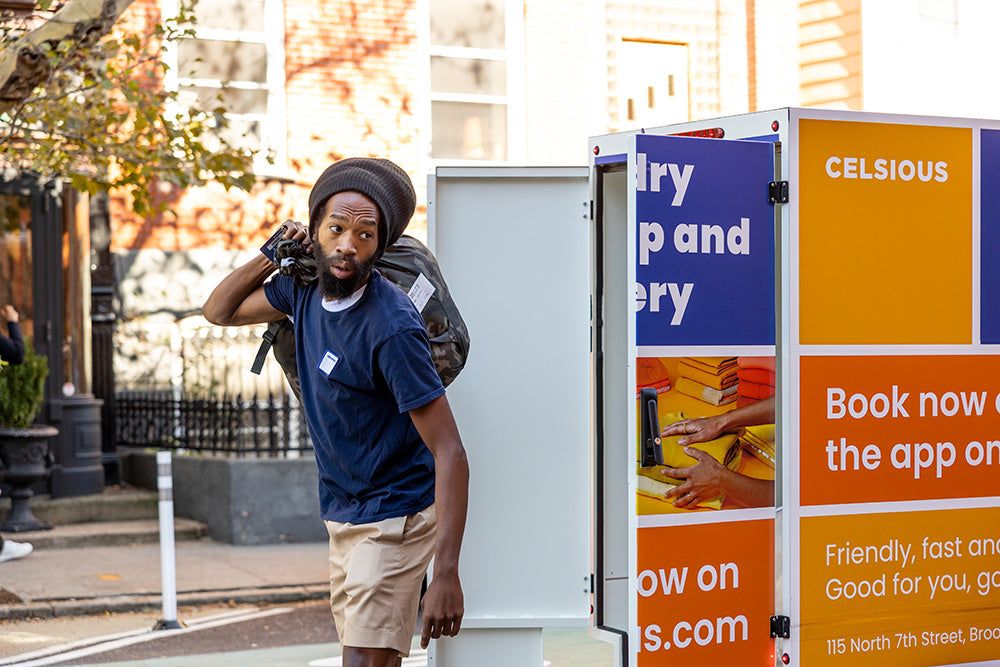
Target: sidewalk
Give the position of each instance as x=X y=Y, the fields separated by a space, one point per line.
x=68 y=584
x=94 y=580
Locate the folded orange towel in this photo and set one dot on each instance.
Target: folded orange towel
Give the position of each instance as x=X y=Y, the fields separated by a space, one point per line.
x=758 y=375
x=708 y=379
x=764 y=363
x=715 y=365
x=650 y=371
x=754 y=390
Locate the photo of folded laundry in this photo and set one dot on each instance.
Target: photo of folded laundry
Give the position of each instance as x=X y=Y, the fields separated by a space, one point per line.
x=692 y=388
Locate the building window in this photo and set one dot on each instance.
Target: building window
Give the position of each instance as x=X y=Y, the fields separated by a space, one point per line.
x=237 y=56
x=470 y=79
x=652 y=95
x=939 y=16
x=16 y=269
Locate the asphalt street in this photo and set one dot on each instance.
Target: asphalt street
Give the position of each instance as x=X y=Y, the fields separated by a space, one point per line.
x=300 y=634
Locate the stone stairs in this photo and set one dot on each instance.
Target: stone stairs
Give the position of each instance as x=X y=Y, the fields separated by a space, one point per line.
x=119 y=516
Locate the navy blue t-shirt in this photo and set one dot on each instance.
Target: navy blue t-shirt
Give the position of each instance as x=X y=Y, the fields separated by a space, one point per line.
x=361 y=369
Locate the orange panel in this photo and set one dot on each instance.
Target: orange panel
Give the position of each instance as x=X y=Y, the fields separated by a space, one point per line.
x=706 y=593
x=885 y=234
x=907 y=588
x=938 y=435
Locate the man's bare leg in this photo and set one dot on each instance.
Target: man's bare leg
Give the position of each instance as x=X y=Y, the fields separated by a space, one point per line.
x=371 y=657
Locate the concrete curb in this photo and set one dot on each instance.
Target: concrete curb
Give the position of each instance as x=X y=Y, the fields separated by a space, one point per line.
x=114 y=504
x=133 y=603
x=109 y=533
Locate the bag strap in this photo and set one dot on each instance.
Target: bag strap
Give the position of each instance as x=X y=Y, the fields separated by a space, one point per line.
x=265 y=345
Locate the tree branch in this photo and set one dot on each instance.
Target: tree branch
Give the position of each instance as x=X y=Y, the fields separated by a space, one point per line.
x=25 y=63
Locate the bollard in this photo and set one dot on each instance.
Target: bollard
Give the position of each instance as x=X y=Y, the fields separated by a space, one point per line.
x=168 y=574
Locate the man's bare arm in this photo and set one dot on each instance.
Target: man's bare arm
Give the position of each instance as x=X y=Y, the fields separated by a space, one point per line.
x=444 y=604
x=703 y=429
x=708 y=478
x=239 y=298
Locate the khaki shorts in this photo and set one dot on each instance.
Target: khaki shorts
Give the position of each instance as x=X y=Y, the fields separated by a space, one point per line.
x=375 y=574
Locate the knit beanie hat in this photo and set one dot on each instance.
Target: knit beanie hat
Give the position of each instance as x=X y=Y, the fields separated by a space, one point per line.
x=382 y=181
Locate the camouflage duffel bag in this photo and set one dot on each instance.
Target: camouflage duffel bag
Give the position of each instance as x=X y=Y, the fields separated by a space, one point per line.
x=403 y=263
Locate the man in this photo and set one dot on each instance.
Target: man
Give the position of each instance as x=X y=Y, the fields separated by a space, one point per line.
x=12 y=351
x=393 y=471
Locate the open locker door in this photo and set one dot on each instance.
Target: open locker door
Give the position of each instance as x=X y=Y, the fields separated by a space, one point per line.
x=513 y=244
x=685 y=275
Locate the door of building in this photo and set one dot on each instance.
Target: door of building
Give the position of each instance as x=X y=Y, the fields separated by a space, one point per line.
x=45 y=274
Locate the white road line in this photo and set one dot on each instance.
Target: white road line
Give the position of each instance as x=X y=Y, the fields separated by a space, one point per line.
x=87 y=647
x=49 y=650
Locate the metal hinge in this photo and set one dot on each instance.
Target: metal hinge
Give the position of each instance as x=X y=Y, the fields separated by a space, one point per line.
x=777 y=192
x=781 y=626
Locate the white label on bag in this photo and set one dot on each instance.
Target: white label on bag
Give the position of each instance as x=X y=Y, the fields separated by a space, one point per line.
x=421 y=292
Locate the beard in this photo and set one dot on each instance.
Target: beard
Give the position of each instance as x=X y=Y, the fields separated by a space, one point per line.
x=341 y=288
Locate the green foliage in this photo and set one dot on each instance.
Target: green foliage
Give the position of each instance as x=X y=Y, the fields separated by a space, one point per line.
x=102 y=120
x=22 y=387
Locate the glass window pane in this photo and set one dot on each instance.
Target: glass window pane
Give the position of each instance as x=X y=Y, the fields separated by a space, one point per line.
x=939 y=18
x=475 y=23
x=230 y=14
x=224 y=61
x=15 y=259
x=468 y=75
x=939 y=10
x=236 y=100
x=243 y=133
x=650 y=96
x=467 y=131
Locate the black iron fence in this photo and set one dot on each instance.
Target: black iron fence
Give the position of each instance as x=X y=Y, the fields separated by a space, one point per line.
x=210 y=402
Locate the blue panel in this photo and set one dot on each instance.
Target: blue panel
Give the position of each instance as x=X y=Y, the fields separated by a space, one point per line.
x=610 y=159
x=990 y=236
x=705 y=242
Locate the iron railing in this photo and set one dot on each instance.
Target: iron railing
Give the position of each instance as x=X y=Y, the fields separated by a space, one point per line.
x=210 y=402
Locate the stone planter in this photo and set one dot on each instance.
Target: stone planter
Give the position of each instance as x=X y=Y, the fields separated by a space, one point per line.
x=242 y=501
x=26 y=460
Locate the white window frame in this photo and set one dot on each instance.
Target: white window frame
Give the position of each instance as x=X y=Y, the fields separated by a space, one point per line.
x=512 y=54
x=274 y=135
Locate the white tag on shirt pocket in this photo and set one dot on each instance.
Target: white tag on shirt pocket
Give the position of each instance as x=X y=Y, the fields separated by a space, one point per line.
x=327 y=363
